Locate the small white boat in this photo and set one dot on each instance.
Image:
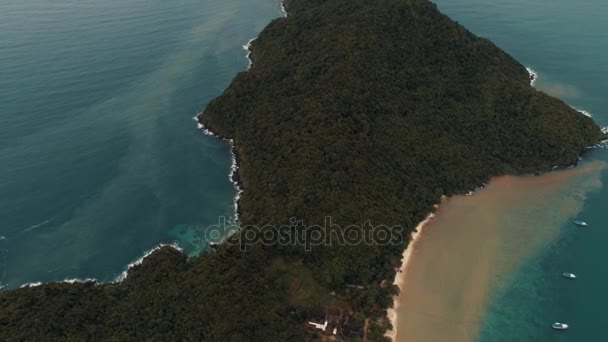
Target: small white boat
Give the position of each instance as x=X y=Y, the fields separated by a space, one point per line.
x=580 y=223
x=560 y=326
x=569 y=275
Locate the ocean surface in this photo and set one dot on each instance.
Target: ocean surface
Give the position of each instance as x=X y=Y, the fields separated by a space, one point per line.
x=100 y=159
x=566 y=43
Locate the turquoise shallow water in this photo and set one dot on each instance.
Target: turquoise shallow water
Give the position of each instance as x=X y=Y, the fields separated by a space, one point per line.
x=100 y=159
x=566 y=42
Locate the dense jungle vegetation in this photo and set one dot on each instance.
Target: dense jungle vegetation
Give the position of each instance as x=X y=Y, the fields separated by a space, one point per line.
x=362 y=110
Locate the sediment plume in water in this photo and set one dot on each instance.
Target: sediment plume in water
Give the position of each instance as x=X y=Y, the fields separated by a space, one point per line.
x=475 y=243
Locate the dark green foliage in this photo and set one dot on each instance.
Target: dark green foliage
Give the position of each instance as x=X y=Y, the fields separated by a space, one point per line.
x=371 y=110
x=225 y=296
x=362 y=110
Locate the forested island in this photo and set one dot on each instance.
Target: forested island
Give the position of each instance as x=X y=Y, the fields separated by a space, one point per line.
x=358 y=110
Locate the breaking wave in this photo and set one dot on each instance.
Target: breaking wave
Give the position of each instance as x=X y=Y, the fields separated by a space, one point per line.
x=533 y=76
x=247 y=47
x=122 y=276
x=77 y=280
x=584 y=112
x=233 y=176
x=30 y=285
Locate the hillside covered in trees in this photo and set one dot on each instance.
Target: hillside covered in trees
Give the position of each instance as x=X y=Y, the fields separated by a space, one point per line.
x=361 y=110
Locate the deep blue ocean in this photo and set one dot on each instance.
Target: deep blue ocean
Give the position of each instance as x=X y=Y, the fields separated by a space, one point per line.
x=100 y=159
x=566 y=43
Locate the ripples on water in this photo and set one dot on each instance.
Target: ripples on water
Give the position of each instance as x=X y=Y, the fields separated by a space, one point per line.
x=100 y=158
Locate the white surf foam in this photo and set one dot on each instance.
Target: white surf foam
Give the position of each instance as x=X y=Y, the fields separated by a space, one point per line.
x=77 y=280
x=202 y=127
x=533 y=76
x=198 y=124
x=234 y=168
x=247 y=47
x=30 y=285
x=122 y=276
x=602 y=144
x=584 y=112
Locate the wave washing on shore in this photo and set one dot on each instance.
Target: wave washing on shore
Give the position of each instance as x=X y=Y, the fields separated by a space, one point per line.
x=234 y=168
x=30 y=285
x=470 y=249
x=534 y=78
x=122 y=276
x=247 y=47
x=602 y=144
x=78 y=280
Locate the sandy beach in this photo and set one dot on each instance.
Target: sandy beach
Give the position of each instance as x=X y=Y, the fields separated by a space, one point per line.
x=400 y=277
x=465 y=252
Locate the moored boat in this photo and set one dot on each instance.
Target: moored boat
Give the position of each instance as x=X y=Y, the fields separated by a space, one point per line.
x=560 y=326
x=569 y=275
x=580 y=223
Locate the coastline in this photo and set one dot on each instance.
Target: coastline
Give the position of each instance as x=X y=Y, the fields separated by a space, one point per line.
x=118 y=279
x=124 y=274
x=416 y=235
x=402 y=273
x=248 y=46
x=534 y=77
x=474 y=245
x=407 y=255
x=234 y=176
x=234 y=274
